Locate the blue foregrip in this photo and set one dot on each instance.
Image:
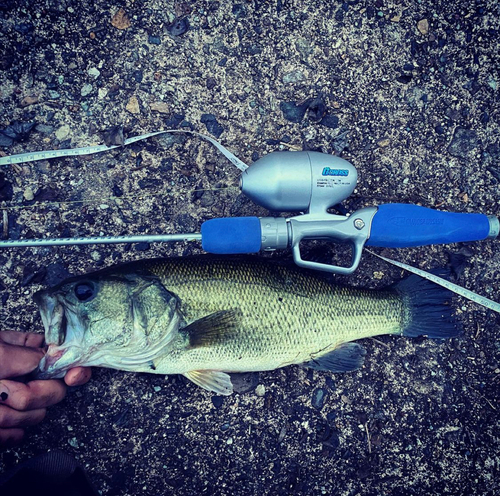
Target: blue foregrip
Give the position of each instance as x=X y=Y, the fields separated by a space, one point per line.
x=398 y=225
x=231 y=235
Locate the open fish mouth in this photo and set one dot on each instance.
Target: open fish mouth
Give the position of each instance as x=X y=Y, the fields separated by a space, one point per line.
x=55 y=322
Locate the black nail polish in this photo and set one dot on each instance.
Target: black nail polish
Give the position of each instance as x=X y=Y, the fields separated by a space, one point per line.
x=4 y=396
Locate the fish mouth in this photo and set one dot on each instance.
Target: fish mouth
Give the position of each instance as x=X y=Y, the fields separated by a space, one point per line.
x=55 y=322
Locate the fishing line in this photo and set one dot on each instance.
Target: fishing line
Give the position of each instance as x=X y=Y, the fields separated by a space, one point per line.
x=41 y=203
x=455 y=288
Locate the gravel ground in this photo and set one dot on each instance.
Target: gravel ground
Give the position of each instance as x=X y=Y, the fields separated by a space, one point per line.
x=406 y=91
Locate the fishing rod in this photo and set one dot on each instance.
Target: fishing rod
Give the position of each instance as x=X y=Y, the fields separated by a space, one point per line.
x=306 y=182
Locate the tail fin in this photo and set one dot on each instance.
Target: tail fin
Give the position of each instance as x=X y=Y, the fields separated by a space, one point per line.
x=429 y=310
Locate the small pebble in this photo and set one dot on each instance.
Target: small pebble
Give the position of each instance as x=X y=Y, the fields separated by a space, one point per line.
x=133 y=105
x=260 y=390
x=179 y=27
x=293 y=77
x=154 y=40
x=331 y=121
x=120 y=20
x=28 y=194
x=86 y=89
x=94 y=72
x=318 y=398
x=292 y=112
x=63 y=132
x=73 y=442
x=423 y=26
x=161 y=107
x=229 y=441
x=464 y=141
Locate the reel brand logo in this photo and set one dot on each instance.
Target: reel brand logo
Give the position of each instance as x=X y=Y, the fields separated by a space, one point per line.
x=335 y=172
x=412 y=221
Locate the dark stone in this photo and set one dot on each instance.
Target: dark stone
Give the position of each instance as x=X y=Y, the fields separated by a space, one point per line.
x=217 y=401
x=239 y=11
x=331 y=121
x=138 y=76
x=154 y=40
x=292 y=112
x=213 y=127
x=143 y=246
x=117 y=191
x=316 y=109
x=114 y=136
x=179 y=27
x=341 y=142
x=150 y=183
x=255 y=156
x=33 y=275
x=174 y=121
x=222 y=62
x=211 y=83
x=6 y=190
x=24 y=28
x=5 y=141
x=404 y=78
x=18 y=131
x=464 y=141
x=46 y=194
x=491 y=158
x=243 y=383
x=254 y=49
x=56 y=273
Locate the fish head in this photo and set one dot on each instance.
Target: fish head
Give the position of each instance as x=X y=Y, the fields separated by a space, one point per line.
x=118 y=320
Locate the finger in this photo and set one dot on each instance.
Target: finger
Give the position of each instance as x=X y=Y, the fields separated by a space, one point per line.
x=12 y=418
x=22 y=338
x=32 y=395
x=18 y=360
x=10 y=437
x=78 y=376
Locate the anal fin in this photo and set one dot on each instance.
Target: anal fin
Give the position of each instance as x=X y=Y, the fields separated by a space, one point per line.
x=345 y=358
x=211 y=380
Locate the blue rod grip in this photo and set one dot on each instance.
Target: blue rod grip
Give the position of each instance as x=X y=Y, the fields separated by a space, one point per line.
x=231 y=235
x=398 y=225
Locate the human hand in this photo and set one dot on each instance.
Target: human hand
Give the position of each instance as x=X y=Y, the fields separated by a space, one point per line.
x=25 y=404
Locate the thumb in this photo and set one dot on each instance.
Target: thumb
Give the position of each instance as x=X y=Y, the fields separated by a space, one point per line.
x=18 y=360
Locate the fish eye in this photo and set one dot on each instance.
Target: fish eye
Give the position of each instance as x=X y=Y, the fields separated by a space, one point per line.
x=85 y=291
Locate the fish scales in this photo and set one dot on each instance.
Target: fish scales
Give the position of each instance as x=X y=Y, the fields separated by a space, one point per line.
x=204 y=317
x=286 y=315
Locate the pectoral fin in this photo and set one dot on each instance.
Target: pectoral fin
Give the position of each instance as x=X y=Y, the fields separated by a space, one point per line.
x=213 y=329
x=211 y=380
x=345 y=358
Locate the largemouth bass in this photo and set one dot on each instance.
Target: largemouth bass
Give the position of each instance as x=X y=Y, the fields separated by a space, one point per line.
x=204 y=317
